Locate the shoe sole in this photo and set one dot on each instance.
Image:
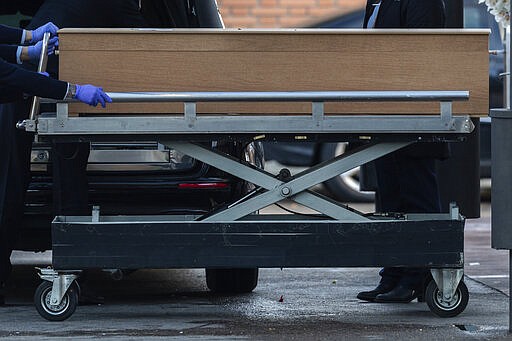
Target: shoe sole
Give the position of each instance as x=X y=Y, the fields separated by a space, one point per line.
x=393 y=301
x=367 y=299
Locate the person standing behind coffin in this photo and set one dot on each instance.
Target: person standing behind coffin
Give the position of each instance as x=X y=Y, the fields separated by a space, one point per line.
x=15 y=83
x=406 y=179
x=70 y=185
x=70 y=193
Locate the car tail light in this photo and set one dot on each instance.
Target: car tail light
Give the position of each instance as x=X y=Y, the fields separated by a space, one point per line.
x=204 y=185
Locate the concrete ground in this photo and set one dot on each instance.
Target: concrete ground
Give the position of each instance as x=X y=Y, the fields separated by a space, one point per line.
x=316 y=304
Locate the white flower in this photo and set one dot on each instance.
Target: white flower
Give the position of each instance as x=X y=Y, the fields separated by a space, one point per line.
x=500 y=9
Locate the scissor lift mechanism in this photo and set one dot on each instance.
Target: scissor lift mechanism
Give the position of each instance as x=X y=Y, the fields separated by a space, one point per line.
x=237 y=237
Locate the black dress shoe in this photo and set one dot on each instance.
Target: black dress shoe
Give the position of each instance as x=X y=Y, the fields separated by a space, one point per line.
x=382 y=288
x=399 y=294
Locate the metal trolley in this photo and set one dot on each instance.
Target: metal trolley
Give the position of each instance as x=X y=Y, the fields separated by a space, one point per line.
x=236 y=236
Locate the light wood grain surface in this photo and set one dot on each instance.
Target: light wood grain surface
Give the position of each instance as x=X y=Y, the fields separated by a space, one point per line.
x=279 y=60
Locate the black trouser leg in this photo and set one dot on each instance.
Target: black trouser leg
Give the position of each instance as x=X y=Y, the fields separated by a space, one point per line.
x=70 y=185
x=407 y=185
x=15 y=147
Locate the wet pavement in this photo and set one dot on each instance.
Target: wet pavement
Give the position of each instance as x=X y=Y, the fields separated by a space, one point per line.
x=482 y=263
x=290 y=304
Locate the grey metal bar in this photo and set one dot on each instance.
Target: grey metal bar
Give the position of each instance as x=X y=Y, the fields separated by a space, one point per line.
x=290 y=96
x=257 y=176
x=43 y=59
x=209 y=124
x=341 y=164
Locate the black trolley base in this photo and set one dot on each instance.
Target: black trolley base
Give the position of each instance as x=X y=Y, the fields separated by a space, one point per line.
x=256 y=241
x=259 y=241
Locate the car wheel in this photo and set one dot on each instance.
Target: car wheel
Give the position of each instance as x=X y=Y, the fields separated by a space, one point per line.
x=344 y=187
x=235 y=280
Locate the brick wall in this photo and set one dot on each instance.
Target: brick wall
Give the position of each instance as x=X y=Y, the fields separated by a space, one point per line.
x=282 y=13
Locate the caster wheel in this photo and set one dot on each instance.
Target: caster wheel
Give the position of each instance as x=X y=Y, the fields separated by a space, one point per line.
x=59 y=312
x=443 y=308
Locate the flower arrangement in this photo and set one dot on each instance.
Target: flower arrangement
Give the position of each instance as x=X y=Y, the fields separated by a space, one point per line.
x=500 y=9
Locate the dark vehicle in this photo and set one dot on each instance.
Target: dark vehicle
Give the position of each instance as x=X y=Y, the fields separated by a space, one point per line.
x=143 y=178
x=346 y=187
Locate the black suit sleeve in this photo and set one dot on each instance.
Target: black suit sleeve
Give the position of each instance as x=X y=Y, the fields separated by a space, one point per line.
x=425 y=14
x=8 y=53
x=10 y=35
x=15 y=80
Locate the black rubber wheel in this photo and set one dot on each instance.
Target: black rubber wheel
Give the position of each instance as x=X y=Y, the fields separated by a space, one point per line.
x=59 y=312
x=344 y=187
x=232 y=281
x=443 y=308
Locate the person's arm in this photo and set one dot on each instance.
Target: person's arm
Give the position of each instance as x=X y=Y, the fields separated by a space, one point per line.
x=12 y=35
x=20 y=80
x=425 y=14
x=20 y=54
x=32 y=83
x=9 y=53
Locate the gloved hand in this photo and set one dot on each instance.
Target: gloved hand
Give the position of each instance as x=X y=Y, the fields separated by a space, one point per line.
x=44 y=73
x=38 y=33
x=92 y=95
x=34 y=51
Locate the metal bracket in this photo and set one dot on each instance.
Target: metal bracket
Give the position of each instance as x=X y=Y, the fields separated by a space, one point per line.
x=318 y=112
x=190 y=112
x=95 y=214
x=447 y=281
x=27 y=125
x=62 y=111
x=446 y=114
x=454 y=211
x=61 y=283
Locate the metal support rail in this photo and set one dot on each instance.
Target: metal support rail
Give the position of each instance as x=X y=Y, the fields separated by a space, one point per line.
x=317 y=122
x=291 y=96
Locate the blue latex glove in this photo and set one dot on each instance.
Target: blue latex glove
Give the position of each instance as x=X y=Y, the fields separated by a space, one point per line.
x=38 y=33
x=34 y=51
x=92 y=95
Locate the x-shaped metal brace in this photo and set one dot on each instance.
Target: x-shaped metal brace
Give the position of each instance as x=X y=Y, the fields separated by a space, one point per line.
x=295 y=188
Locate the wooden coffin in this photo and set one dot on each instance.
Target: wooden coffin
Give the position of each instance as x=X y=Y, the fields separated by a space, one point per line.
x=278 y=60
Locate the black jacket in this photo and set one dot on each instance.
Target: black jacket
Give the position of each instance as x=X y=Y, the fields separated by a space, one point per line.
x=412 y=14
x=9 y=35
x=407 y=14
x=84 y=14
x=15 y=81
